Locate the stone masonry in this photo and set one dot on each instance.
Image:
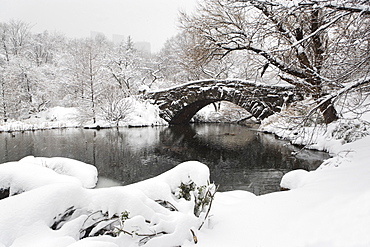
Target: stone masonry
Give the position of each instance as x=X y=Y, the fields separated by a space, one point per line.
x=180 y=103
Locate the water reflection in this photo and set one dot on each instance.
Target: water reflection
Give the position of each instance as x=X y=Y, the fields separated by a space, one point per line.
x=238 y=157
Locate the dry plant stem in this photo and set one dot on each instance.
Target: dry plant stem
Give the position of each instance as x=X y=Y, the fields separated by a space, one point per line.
x=140 y=234
x=195 y=239
x=209 y=208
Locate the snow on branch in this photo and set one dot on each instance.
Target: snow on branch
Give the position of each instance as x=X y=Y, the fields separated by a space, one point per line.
x=363 y=9
x=319 y=30
x=328 y=99
x=344 y=6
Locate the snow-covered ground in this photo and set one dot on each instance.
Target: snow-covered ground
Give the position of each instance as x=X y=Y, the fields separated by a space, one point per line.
x=326 y=207
x=226 y=112
x=142 y=114
x=52 y=203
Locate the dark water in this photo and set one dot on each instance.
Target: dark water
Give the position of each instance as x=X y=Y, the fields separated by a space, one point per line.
x=238 y=157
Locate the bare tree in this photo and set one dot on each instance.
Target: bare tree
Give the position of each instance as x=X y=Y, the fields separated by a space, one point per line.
x=17 y=38
x=185 y=57
x=3 y=92
x=114 y=106
x=124 y=66
x=19 y=78
x=304 y=42
x=88 y=68
x=169 y=59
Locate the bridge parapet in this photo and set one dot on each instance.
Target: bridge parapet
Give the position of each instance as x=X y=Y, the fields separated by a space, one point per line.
x=180 y=103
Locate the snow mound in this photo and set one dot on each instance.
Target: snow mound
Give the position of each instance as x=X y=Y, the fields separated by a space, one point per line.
x=293 y=179
x=55 y=210
x=59 y=113
x=144 y=114
x=87 y=174
x=19 y=177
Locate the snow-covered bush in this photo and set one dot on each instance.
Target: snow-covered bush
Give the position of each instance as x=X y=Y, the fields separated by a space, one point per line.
x=201 y=195
x=350 y=130
x=31 y=172
x=87 y=174
x=55 y=210
x=114 y=110
x=144 y=114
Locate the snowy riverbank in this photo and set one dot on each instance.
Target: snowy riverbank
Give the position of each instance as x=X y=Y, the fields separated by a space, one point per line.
x=326 y=207
x=141 y=114
x=52 y=206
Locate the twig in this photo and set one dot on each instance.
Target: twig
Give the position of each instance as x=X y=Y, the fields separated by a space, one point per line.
x=167 y=205
x=209 y=208
x=195 y=239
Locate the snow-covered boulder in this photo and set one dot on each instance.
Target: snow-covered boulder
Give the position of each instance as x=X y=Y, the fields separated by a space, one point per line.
x=293 y=179
x=20 y=177
x=87 y=174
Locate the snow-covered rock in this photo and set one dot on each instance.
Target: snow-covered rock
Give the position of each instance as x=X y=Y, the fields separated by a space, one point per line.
x=293 y=179
x=19 y=177
x=87 y=174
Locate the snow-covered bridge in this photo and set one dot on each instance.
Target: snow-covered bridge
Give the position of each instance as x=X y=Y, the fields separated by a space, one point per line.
x=180 y=103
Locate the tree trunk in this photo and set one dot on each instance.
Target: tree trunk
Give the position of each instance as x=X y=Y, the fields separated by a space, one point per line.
x=4 y=106
x=329 y=113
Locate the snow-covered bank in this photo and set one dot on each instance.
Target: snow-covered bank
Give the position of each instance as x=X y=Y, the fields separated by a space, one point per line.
x=326 y=207
x=290 y=124
x=141 y=114
x=58 y=211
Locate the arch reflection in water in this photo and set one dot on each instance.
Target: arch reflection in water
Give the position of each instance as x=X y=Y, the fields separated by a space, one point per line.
x=238 y=157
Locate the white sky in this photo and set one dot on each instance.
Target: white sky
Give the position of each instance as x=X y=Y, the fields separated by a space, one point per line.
x=145 y=20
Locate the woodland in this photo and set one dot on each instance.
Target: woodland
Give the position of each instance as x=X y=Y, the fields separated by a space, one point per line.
x=319 y=46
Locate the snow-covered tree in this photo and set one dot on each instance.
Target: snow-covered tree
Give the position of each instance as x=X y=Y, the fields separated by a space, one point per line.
x=185 y=57
x=87 y=66
x=21 y=90
x=169 y=59
x=45 y=48
x=124 y=64
x=4 y=93
x=303 y=41
x=114 y=106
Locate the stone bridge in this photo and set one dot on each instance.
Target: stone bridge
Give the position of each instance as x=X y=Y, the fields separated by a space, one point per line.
x=180 y=103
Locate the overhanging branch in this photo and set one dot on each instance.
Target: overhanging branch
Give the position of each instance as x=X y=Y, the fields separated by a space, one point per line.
x=335 y=95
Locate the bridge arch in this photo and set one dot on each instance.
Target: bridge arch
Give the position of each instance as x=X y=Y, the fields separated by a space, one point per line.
x=180 y=103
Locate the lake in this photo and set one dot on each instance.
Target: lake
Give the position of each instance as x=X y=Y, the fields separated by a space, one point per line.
x=239 y=158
